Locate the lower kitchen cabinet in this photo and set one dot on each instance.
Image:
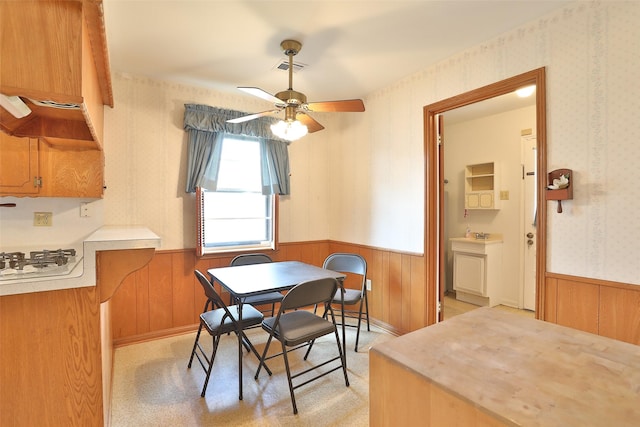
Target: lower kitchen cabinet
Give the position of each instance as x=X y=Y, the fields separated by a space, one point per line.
x=34 y=168
x=56 y=348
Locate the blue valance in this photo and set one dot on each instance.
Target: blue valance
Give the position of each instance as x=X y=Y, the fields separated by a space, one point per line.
x=212 y=119
x=207 y=127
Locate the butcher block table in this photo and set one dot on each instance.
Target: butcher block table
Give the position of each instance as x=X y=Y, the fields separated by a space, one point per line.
x=493 y=368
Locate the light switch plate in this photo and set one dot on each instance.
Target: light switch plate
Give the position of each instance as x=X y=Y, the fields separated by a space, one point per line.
x=504 y=195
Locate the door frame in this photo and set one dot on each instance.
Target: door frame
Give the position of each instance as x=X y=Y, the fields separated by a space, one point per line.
x=434 y=247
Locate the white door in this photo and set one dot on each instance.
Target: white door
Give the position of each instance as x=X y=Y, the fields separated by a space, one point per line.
x=529 y=222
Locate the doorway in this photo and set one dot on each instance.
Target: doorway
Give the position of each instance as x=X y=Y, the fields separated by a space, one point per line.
x=435 y=191
x=487 y=159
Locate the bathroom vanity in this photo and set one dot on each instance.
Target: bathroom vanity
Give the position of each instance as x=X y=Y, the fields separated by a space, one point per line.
x=477 y=268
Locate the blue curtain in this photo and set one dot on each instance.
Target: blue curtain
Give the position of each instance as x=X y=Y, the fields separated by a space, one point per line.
x=206 y=127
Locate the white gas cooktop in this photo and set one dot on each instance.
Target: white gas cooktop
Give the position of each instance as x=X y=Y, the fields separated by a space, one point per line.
x=35 y=264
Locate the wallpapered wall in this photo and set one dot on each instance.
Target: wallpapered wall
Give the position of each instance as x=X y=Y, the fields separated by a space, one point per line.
x=146 y=149
x=361 y=180
x=591 y=51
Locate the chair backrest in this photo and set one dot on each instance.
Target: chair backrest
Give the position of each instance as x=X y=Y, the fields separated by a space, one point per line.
x=319 y=291
x=346 y=263
x=246 y=259
x=210 y=291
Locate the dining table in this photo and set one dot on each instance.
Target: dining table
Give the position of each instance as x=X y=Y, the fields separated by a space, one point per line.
x=254 y=279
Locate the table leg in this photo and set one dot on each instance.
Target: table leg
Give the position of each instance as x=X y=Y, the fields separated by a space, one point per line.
x=344 y=335
x=240 y=335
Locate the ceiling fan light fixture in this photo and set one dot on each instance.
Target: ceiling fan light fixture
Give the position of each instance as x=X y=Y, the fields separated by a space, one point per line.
x=289 y=130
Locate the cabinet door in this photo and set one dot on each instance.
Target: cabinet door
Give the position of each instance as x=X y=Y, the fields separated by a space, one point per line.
x=18 y=165
x=472 y=201
x=71 y=172
x=469 y=273
x=486 y=200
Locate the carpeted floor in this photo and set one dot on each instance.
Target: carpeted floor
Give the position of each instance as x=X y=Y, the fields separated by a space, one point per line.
x=153 y=387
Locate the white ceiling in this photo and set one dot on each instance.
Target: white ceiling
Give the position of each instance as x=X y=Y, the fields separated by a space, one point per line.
x=351 y=47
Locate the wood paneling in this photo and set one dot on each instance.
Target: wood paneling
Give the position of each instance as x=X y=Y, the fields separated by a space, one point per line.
x=620 y=314
x=550 y=302
x=51 y=370
x=601 y=307
x=418 y=294
x=166 y=297
x=578 y=305
x=183 y=289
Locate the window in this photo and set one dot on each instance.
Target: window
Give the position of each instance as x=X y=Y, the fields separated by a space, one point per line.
x=237 y=216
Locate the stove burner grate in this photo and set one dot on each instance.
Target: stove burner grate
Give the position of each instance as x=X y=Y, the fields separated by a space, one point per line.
x=37 y=259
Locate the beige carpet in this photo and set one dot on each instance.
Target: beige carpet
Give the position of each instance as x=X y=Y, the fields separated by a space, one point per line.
x=153 y=387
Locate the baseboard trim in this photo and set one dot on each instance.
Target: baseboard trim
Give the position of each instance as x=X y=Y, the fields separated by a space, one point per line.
x=164 y=333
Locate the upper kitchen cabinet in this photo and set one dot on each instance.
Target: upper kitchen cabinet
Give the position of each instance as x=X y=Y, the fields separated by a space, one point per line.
x=55 y=60
x=19 y=170
x=35 y=168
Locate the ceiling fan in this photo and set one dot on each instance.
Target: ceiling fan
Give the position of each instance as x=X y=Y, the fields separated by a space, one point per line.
x=297 y=121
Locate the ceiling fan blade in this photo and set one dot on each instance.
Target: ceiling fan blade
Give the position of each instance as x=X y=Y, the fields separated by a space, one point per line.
x=261 y=94
x=345 y=106
x=309 y=122
x=253 y=116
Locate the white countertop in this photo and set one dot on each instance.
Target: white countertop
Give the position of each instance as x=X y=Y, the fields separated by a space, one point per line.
x=493 y=238
x=107 y=238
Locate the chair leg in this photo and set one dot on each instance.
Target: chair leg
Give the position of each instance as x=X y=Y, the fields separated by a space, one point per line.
x=195 y=345
x=342 y=358
x=216 y=340
x=286 y=365
x=306 y=354
x=366 y=307
x=252 y=349
x=262 y=359
x=358 y=327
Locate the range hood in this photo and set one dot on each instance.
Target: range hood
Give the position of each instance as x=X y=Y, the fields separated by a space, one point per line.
x=51 y=120
x=54 y=87
x=14 y=105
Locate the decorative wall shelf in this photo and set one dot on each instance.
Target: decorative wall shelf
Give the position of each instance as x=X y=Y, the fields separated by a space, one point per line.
x=560 y=194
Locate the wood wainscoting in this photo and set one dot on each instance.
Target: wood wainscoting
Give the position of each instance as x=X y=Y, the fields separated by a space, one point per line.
x=164 y=298
x=601 y=307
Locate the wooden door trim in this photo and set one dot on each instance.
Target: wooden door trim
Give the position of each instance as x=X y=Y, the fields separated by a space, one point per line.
x=432 y=198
